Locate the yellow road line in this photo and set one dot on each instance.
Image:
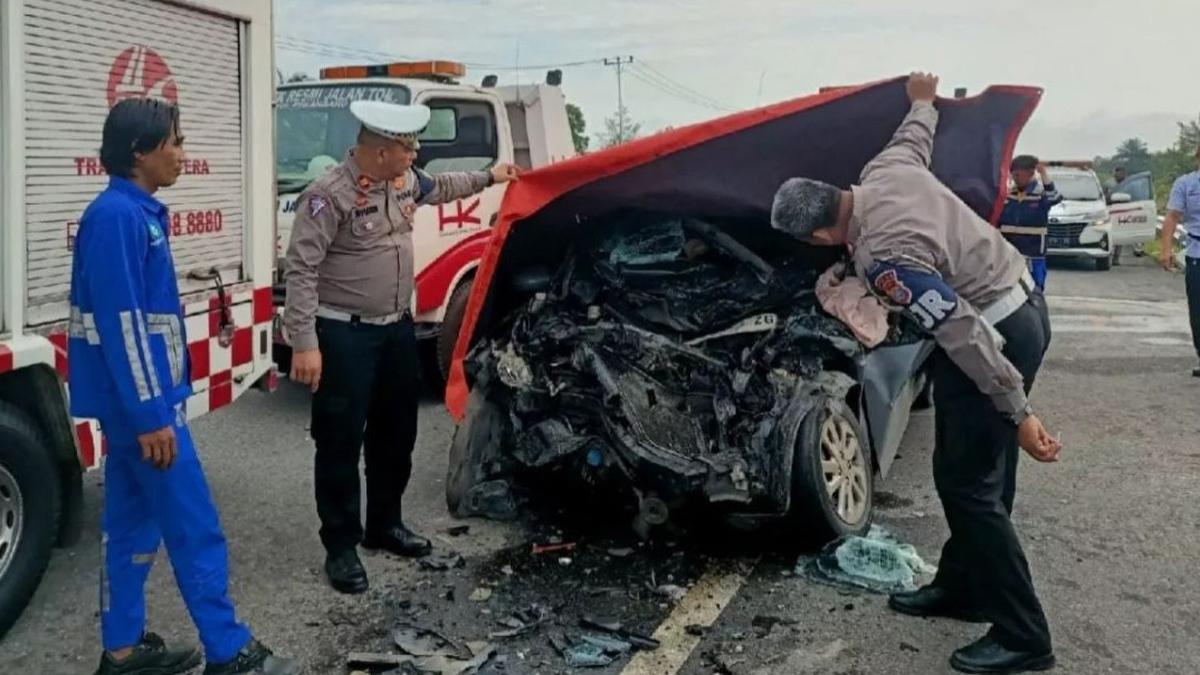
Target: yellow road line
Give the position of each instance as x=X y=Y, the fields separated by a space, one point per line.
x=701 y=606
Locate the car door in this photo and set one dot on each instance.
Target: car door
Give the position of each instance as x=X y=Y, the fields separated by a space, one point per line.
x=1132 y=210
x=891 y=379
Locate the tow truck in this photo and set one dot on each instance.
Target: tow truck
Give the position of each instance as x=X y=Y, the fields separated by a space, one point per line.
x=471 y=128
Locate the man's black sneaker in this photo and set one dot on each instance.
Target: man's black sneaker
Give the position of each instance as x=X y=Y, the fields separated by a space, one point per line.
x=151 y=657
x=254 y=658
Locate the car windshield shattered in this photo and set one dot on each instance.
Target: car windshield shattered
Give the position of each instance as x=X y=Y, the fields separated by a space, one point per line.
x=667 y=365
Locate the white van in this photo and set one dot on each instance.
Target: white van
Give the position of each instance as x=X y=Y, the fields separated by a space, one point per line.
x=1084 y=226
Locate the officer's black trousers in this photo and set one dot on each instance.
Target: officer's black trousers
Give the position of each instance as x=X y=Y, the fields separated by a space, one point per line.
x=975 y=471
x=368 y=396
x=1193 y=295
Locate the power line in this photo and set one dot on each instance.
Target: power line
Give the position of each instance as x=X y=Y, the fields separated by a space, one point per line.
x=295 y=44
x=678 y=91
x=667 y=87
x=658 y=74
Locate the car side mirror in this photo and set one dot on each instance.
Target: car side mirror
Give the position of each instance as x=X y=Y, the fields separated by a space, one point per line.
x=1120 y=198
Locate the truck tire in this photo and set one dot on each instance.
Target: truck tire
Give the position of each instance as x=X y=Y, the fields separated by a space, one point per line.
x=456 y=310
x=29 y=512
x=832 y=476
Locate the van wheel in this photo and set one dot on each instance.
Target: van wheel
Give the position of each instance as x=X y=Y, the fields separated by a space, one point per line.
x=1139 y=250
x=29 y=512
x=447 y=338
x=832 y=478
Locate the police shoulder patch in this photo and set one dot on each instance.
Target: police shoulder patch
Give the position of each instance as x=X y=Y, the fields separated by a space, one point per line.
x=316 y=204
x=924 y=295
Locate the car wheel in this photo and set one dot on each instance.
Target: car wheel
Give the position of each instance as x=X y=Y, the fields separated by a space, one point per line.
x=29 y=512
x=1139 y=250
x=833 y=478
x=447 y=338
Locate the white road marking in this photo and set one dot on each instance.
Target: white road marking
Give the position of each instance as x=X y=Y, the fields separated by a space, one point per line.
x=1166 y=341
x=701 y=606
x=1069 y=314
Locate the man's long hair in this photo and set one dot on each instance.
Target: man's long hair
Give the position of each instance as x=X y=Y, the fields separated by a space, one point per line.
x=135 y=125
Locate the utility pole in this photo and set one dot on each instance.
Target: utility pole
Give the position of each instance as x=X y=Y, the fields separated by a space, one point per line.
x=619 y=61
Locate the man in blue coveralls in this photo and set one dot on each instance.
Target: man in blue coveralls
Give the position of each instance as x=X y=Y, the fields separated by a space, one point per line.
x=129 y=369
x=1027 y=213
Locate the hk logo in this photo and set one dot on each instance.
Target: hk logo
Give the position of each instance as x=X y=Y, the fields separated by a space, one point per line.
x=139 y=72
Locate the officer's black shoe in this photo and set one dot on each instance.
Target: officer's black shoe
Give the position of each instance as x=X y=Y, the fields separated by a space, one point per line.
x=985 y=655
x=254 y=658
x=933 y=601
x=345 y=572
x=151 y=657
x=399 y=540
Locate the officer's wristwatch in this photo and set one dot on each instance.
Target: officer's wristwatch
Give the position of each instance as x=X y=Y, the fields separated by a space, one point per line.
x=491 y=179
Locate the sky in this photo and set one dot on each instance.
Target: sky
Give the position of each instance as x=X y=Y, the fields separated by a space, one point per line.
x=1110 y=70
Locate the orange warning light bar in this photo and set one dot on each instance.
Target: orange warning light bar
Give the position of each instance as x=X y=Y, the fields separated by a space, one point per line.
x=418 y=70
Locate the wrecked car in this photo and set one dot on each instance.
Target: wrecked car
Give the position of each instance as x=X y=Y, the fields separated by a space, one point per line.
x=639 y=337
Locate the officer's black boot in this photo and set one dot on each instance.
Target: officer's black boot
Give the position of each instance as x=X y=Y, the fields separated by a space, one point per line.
x=151 y=657
x=986 y=655
x=933 y=600
x=254 y=658
x=400 y=540
x=345 y=572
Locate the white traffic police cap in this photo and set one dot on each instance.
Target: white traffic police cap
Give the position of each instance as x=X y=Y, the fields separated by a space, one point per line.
x=397 y=122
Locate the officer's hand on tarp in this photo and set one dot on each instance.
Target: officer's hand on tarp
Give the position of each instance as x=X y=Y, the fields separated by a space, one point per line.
x=158 y=447
x=922 y=87
x=1037 y=441
x=503 y=173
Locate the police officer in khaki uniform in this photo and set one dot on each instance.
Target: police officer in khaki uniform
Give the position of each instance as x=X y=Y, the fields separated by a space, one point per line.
x=927 y=253
x=348 y=316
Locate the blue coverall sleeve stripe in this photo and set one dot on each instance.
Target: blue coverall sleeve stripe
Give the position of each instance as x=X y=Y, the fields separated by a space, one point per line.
x=128 y=333
x=146 y=355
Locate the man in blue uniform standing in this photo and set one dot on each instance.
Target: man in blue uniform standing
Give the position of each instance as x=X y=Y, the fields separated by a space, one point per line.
x=1184 y=207
x=129 y=369
x=1027 y=213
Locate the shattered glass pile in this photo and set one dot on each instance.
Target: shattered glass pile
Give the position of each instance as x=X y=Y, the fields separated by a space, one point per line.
x=666 y=350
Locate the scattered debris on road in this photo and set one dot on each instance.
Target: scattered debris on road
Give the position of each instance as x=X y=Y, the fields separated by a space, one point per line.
x=442 y=561
x=878 y=562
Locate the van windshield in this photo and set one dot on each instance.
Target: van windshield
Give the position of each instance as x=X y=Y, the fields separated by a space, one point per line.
x=1078 y=187
x=314 y=127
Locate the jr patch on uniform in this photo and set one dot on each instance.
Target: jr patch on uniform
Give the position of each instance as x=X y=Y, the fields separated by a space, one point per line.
x=924 y=295
x=316 y=204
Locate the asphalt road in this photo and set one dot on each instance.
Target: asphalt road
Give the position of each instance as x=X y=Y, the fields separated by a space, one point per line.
x=1111 y=532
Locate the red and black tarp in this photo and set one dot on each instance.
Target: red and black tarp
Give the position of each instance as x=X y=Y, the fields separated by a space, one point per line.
x=729 y=169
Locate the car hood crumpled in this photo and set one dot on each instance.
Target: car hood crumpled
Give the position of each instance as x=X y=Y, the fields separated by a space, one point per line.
x=729 y=168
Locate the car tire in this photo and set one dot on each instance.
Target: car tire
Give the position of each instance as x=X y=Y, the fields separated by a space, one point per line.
x=456 y=311
x=30 y=506
x=1139 y=250
x=831 y=445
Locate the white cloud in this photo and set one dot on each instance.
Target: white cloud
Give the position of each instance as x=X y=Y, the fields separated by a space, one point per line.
x=1110 y=69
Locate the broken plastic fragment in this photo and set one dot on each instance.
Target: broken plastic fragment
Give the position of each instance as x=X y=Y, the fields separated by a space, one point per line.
x=419 y=641
x=514 y=372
